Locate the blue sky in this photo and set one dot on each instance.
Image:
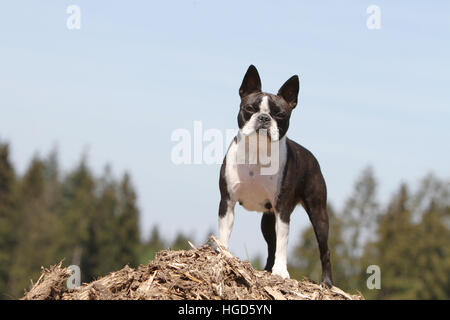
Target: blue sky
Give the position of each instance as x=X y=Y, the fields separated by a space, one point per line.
x=137 y=70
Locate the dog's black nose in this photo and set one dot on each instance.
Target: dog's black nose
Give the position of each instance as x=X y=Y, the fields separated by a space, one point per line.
x=264 y=118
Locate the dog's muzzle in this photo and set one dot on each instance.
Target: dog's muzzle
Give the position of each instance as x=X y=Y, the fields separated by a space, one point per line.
x=263 y=121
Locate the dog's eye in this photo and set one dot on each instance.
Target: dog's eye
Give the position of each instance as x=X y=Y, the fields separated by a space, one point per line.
x=249 y=108
x=280 y=114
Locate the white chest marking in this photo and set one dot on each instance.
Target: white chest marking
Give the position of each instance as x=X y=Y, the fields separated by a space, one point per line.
x=249 y=185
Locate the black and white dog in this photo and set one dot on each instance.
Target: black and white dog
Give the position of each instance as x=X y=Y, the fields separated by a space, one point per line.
x=275 y=187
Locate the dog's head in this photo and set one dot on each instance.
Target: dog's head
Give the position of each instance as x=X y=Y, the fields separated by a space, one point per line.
x=264 y=111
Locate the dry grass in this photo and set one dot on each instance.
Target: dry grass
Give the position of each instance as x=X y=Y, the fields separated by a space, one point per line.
x=200 y=273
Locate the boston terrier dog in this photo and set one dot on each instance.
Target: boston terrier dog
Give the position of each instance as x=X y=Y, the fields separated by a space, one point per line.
x=276 y=186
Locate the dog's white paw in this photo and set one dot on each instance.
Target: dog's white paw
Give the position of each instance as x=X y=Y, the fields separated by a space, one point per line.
x=281 y=271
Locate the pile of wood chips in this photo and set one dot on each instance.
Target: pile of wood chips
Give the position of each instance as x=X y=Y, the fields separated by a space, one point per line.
x=200 y=273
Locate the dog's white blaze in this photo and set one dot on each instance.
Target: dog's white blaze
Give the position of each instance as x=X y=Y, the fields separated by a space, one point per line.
x=226 y=224
x=265 y=108
x=282 y=234
x=264 y=105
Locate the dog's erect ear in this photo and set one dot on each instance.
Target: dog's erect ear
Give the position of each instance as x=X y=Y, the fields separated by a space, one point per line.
x=289 y=91
x=251 y=82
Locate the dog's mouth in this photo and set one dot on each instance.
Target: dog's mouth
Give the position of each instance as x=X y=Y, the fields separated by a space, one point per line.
x=263 y=128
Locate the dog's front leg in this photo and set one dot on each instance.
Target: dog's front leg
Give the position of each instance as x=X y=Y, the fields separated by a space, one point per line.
x=226 y=220
x=282 y=234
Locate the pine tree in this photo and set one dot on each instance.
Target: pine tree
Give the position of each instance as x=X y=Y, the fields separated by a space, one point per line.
x=104 y=240
x=394 y=250
x=78 y=210
x=359 y=222
x=128 y=223
x=33 y=230
x=433 y=257
x=412 y=247
x=90 y=222
x=154 y=244
x=432 y=242
x=52 y=202
x=156 y=240
x=8 y=218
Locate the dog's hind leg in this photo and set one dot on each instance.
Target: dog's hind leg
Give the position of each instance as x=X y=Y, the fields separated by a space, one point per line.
x=317 y=212
x=268 y=231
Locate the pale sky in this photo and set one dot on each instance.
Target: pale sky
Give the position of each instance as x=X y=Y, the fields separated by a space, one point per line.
x=137 y=70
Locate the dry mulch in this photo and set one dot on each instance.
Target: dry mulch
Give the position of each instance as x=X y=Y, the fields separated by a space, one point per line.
x=200 y=273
